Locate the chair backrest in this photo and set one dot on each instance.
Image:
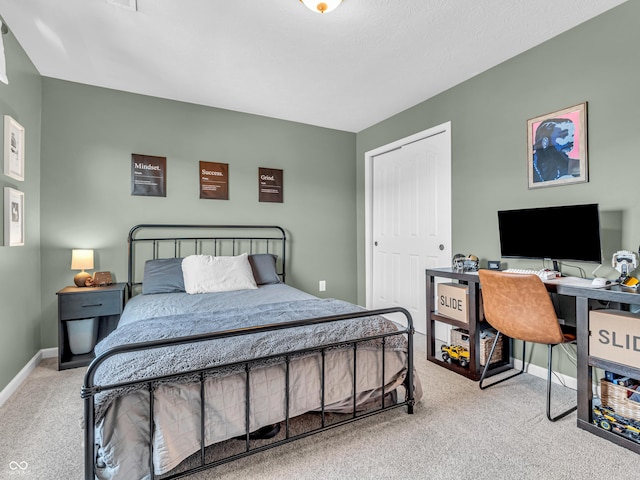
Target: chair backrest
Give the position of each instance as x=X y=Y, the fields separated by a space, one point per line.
x=519 y=306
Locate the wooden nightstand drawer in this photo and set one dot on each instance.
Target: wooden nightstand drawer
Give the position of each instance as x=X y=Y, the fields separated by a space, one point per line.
x=92 y=305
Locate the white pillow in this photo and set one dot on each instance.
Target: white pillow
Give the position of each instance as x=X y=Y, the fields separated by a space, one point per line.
x=206 y=273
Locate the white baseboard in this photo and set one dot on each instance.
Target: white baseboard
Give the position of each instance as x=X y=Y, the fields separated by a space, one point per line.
x=537 y=371
x=49 y=352
x=22 y=375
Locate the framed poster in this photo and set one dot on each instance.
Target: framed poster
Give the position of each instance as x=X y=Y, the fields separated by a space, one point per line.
x=557 y=147
x=148 y=175
x=13 y=148
x=214 y=180
x=13 y=217
x=270 y=187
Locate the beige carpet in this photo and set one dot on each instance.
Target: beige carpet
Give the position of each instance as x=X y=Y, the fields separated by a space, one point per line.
x=457 y=432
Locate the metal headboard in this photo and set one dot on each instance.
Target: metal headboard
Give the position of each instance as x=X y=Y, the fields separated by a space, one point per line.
x=153 y=241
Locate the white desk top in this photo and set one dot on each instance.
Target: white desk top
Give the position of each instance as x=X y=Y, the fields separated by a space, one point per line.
x=572 y=281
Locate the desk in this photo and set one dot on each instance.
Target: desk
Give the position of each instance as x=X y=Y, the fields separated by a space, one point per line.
x=575 y=288
x=586 y=362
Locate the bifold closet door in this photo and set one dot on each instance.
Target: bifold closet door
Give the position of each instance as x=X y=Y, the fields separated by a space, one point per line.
x=411 y=222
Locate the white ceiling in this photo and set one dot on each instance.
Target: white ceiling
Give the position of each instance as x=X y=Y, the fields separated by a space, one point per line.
x=347 y=70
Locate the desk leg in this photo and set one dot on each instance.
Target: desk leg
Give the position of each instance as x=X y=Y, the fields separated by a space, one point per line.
x=431 y=342
x=585 y=391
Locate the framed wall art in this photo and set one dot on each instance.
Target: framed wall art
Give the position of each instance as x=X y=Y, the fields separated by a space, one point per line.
x=270 y=185
x=148 y=175
x=557 y=147
x=214 y=180
x=13 y=149
x=13 y=217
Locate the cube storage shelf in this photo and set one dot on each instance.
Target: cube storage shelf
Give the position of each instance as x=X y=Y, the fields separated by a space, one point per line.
x=459 y=336
x=473 y=325
x=588 y=362
x=619 y=409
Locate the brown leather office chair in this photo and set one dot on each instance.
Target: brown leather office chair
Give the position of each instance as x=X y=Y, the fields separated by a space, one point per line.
x=519 y=306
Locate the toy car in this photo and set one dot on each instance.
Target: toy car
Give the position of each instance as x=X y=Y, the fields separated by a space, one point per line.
x=455 y=352
x=606 y=418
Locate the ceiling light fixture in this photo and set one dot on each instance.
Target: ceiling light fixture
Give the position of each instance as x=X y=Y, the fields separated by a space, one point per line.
x=321 y=6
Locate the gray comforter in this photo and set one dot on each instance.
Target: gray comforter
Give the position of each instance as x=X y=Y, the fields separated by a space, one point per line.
x=167 y=361
x=122 y=427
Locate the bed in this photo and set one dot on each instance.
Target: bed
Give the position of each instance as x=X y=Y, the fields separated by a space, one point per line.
x=206 y=368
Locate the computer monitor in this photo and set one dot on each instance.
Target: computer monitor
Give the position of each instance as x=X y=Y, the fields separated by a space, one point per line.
x=569 y=232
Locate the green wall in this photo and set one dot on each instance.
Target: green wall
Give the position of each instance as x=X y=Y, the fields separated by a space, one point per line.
x=20 y=266
x=597 y=62
x=89 y=135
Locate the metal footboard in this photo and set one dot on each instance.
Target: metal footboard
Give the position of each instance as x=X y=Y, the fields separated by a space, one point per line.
x=90 y=389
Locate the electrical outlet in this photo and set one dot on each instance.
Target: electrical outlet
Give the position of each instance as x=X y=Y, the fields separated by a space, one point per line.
x=322 y=285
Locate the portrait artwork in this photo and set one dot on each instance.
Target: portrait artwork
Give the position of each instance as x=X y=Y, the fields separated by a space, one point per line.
x=557 y=148
x=13 y=217
x=13 y=149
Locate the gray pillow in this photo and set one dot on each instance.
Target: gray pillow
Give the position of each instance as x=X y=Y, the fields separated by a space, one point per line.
x=264 y=268
x=163 y=275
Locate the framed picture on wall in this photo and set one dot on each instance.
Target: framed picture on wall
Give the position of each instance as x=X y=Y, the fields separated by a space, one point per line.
x=214 y=180
x=557 y=147
x=13 y=149
x=148 y=175
x=13 y=217
x=270 y=185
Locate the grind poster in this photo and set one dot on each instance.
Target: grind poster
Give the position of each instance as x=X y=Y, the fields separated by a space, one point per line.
x=214 y=180
x=148 y=175
x=270 y=184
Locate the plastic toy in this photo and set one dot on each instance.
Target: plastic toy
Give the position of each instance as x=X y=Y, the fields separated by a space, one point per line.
x=455 y=352
x=607 y=419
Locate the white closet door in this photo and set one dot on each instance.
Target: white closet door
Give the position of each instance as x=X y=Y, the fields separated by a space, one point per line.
x=411 y=220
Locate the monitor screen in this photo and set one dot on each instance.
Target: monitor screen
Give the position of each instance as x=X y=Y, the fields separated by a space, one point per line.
x=554 y=233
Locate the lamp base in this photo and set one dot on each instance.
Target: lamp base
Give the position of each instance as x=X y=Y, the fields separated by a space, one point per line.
x=81 y=279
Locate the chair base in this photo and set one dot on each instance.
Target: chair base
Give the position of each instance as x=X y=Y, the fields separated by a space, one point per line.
x=566 y=412
x=518 y=372
x=486 y=367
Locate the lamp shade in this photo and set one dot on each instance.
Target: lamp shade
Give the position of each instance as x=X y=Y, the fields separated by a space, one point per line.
x=321 y=6
x=81 y=259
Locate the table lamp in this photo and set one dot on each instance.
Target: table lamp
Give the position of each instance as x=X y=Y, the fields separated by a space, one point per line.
x=81 y=260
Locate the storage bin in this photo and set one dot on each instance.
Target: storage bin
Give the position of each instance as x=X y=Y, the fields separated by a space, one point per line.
x=453 y=301
x=613 y=336
x=461 y=337
x=617 y=397
x=82 y=335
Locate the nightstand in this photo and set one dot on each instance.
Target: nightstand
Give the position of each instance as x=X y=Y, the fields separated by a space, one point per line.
x=104 y=304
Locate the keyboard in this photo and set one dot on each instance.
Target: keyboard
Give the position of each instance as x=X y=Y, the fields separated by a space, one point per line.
x=543 y=274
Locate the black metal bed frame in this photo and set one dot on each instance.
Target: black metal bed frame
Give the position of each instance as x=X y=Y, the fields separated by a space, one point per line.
x=90 y=389
x=199 y=243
